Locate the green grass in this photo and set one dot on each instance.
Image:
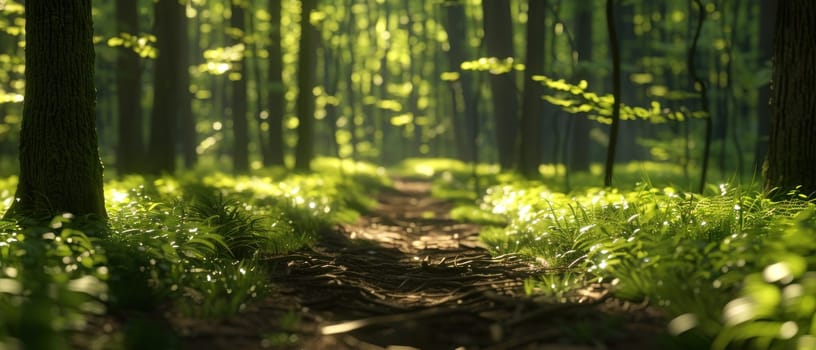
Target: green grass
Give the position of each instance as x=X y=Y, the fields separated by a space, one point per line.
x=189 y=244
x=731 y=268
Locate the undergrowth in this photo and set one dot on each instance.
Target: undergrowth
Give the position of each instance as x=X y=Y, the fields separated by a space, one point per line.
x=190 y=245
x=731 y=268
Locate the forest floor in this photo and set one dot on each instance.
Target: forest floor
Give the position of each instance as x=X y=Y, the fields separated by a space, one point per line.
x=407 y=276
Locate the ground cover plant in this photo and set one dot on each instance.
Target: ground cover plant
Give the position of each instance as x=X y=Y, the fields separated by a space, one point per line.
x=729 y=267
x=189 y=244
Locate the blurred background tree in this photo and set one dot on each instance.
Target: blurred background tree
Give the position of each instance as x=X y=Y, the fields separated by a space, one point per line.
x=184 y=83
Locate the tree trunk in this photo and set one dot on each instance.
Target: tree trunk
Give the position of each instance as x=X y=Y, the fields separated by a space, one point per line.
x=130 y=151
x=580 y=142
x=277 y=103
x=304 y=150
x=498 y=28
x=259 y=114
x=331 y=82
x=614 y=50
x=767 y=10
x=531 y=110
x=187 y=123
x=462 y=89
x=240 y=127
x=60 y=170
x=164 y=119
x=791 y=150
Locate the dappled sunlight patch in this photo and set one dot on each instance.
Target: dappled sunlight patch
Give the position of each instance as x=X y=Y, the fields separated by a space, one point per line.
x=730 y=265
x=192 y=243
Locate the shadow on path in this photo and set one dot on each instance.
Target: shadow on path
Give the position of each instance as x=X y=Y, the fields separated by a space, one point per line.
x=406 y=276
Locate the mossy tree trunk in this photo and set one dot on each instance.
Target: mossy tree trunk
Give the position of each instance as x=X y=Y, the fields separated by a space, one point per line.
x=791 y=150
x=60 y=170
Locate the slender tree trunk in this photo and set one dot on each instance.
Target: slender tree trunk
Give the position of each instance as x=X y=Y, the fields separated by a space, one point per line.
x=187 y=130
x=240 y=127
x=580 y=142
x=331 y=81
x=350 y=93
x=130 y=152
x=462 y=89
x=531 y=110
x=304 y=150
x=387 y=132
x=791 y=151
x=277 y=103
x=60 y=170
x=700 y=86
x=767 y=20
x=260 y=116
x=498 y=28
x=614 y=49
x=414 y=74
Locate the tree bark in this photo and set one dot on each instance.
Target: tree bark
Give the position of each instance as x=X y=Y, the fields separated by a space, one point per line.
x=498 y=28
x=165 y=118
x=767 y=10
x=304 y=150
x=130 y=151
x=580 y=142
x=277 y=103
x=791 y=150
x=531 y=110
x=183 y=98
x=240 y=127
x=614 y=50
x=462 y=89
x=60 y=170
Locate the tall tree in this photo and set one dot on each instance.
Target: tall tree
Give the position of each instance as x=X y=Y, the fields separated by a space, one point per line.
x=614 y=49
x=700 y=85
x=188 y=140
x=276 y=101
x=463 y=96
x=305 y=99
x=531 y=110
x=130 y=150
x=791 y=150
x=766 y=30
x=351 y=24
x=498 y=28
x=579 y=140
x=240 y=127
x=171 y=34
x=60 y=170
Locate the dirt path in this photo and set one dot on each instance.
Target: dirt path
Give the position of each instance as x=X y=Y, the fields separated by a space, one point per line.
x=407 y=276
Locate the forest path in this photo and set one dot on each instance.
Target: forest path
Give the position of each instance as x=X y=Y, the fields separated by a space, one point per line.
x=407 y=276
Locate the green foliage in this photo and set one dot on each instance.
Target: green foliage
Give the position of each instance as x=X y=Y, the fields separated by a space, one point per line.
x=575 y=98
x=731 y=268
x=140 y=44
x=193 y=244
x=493 y=65
x=52 y=279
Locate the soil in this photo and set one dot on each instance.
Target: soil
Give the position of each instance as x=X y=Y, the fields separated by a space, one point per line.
x=406 y=276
